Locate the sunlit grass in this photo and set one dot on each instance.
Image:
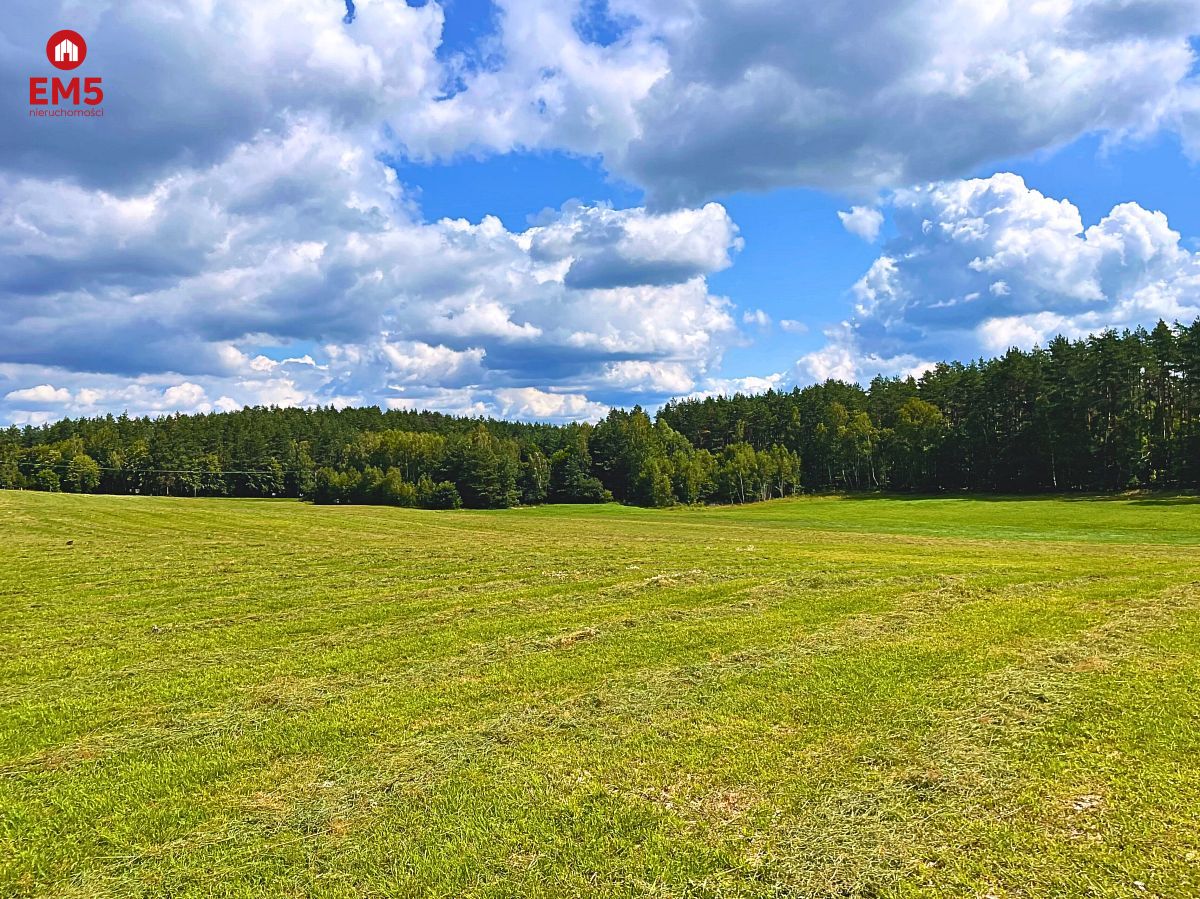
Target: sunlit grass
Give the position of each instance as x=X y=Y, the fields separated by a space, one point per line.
x=875 y=697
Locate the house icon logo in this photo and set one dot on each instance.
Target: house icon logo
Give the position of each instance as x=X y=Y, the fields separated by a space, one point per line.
x=66 y=49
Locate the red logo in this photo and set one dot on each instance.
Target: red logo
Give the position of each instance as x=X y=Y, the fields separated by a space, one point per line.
x=66 y=49
x=73 y=97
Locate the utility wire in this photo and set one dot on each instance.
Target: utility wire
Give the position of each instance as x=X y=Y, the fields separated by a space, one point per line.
x=210 y=471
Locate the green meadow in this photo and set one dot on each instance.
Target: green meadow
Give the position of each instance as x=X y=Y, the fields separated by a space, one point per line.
x=868 y=697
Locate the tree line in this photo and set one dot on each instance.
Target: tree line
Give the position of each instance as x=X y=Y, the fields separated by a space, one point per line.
x=417 y=459
x=1110 y=412
x=1114 y=411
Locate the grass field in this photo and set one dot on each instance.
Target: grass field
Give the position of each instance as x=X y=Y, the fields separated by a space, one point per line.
x=814 y=697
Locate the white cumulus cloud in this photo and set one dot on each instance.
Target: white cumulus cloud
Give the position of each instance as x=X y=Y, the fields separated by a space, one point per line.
x=41 y=395
x=978 y=266
x=862 y=221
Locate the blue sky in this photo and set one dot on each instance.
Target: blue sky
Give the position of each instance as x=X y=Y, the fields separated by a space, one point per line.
x=542 y=209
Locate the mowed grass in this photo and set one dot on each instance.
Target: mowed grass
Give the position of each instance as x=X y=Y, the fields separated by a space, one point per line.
x=813 y=697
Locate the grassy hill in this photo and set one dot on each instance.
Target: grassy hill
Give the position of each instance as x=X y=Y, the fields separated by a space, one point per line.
x=813 y=697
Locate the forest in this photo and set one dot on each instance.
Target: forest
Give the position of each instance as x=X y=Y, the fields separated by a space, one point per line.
x=1110 y=412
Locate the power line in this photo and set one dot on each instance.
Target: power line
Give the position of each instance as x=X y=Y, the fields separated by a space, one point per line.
x=210 y=471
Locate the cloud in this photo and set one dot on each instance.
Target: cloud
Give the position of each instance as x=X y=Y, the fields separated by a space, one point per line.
x=413 y=362
x=284 y=385
x=656 y=378
x=998 y=334
x=188 y=80
x=605 y=248
x=525 y=403
x=305 y=238
x=706 y=97
x=546 y=85
x=531 y=403
x=756 y=317
x=792 y=326
x=747 y=385
x=842 y=360
x=41 y=395
x=978 y=266
x=96 y=394
x=860 y=96
x=184 y=396
x=835 y=361
x=863 y=222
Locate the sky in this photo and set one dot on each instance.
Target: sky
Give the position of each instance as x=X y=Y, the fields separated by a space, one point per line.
x=542 y=209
